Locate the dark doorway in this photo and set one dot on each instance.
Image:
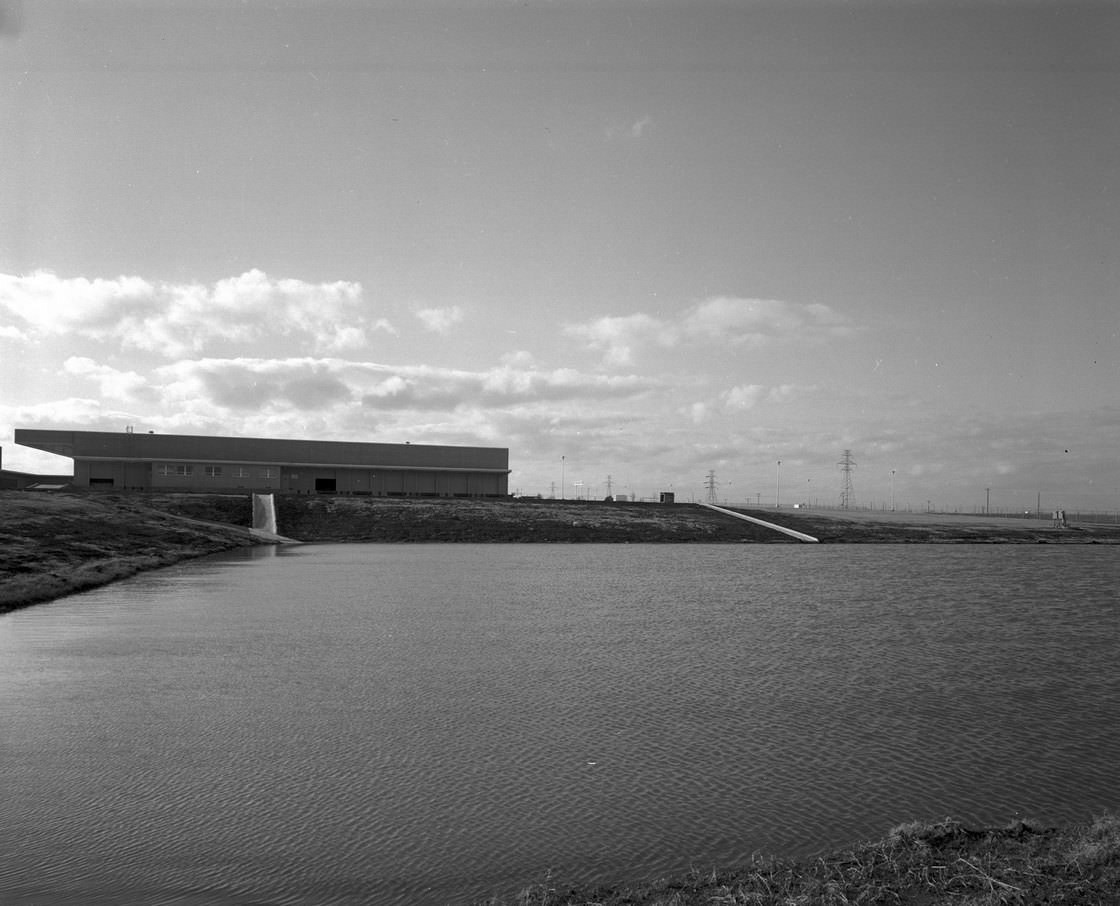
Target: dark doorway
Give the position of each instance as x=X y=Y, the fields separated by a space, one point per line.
x=325 y=486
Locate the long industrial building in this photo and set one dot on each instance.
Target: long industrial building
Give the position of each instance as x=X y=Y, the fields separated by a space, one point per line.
x=175 y=462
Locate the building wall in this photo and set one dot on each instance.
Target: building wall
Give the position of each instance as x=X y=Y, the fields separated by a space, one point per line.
x=185 y=463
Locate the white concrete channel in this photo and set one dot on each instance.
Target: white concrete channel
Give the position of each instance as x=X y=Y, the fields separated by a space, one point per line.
x=800 y=536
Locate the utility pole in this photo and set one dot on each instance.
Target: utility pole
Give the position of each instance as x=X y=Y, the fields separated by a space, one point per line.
x=778 y=487
x=563 y=464
x=892 y=490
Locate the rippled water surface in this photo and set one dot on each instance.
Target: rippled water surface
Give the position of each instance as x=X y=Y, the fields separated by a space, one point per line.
x=436 y=723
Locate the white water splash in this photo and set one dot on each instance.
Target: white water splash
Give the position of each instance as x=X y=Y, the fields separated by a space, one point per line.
x=264 y=512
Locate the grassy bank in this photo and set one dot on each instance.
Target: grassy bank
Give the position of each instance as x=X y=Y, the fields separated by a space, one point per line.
x=914 y=865
x=56 y=544
x=527 y=520
x=479 y=520
x=864 y=527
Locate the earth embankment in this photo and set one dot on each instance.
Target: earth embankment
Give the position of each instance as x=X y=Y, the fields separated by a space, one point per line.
x=56 y=544
x=479 y=520
x=882 y=527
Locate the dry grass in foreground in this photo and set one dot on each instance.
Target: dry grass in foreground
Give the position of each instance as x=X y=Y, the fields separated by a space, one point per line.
x=915 y=865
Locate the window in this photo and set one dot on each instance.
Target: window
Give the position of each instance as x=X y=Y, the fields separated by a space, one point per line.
x=178 y=470
x=213 y=471
x=243 y=472
x=268 y=472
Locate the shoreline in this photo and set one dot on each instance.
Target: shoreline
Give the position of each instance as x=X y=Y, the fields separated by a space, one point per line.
x=55 y=544
x=1024 y=862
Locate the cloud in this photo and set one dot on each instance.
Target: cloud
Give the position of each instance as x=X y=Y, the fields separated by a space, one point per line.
x=303 y=385
x=721 y=322
x=784 y=392
x=735 y=321
x=743 y=397
x=440 y=320
x=617 y=338
x=174 y=320
x=698 y=412
x=633 y=129
x=637 y=128
x=111 y=383
x=314 y=385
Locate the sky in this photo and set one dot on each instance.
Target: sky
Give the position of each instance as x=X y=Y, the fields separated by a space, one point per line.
x=647 y=245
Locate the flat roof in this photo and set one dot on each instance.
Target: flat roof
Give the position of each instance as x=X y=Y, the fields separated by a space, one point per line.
x=130 y=446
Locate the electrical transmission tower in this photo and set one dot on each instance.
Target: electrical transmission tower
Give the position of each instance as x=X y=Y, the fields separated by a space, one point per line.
x=846 y=465
x=711 y=485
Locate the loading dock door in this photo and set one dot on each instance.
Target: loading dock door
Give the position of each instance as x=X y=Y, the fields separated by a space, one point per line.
x=325 y=485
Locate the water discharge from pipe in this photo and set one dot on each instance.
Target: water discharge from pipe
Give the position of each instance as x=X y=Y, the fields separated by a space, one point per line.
x=264 y=512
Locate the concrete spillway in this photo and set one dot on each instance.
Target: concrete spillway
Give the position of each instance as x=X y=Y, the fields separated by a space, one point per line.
x=800 y=536
x=264 y=513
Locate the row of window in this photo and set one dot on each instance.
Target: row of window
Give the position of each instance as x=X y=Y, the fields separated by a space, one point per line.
x=186 y=470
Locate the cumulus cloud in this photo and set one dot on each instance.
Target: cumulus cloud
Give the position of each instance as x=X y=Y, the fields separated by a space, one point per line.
x=110 y=382
x=756 y=322
x=617 y=338
x=722 y=322
x=181 y=319
x=256 y=384
x=698 y=412
x=318 y=384
x=440 y=320
x=745 y=396
x=783 y=392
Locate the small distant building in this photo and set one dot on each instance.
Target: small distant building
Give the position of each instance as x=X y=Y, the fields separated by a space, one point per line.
x=668 y=497
x=174 y=462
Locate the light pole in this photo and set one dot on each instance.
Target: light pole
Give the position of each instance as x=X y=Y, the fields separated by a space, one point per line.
x=562 y=464
x=892 y=490
x=778 y=487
